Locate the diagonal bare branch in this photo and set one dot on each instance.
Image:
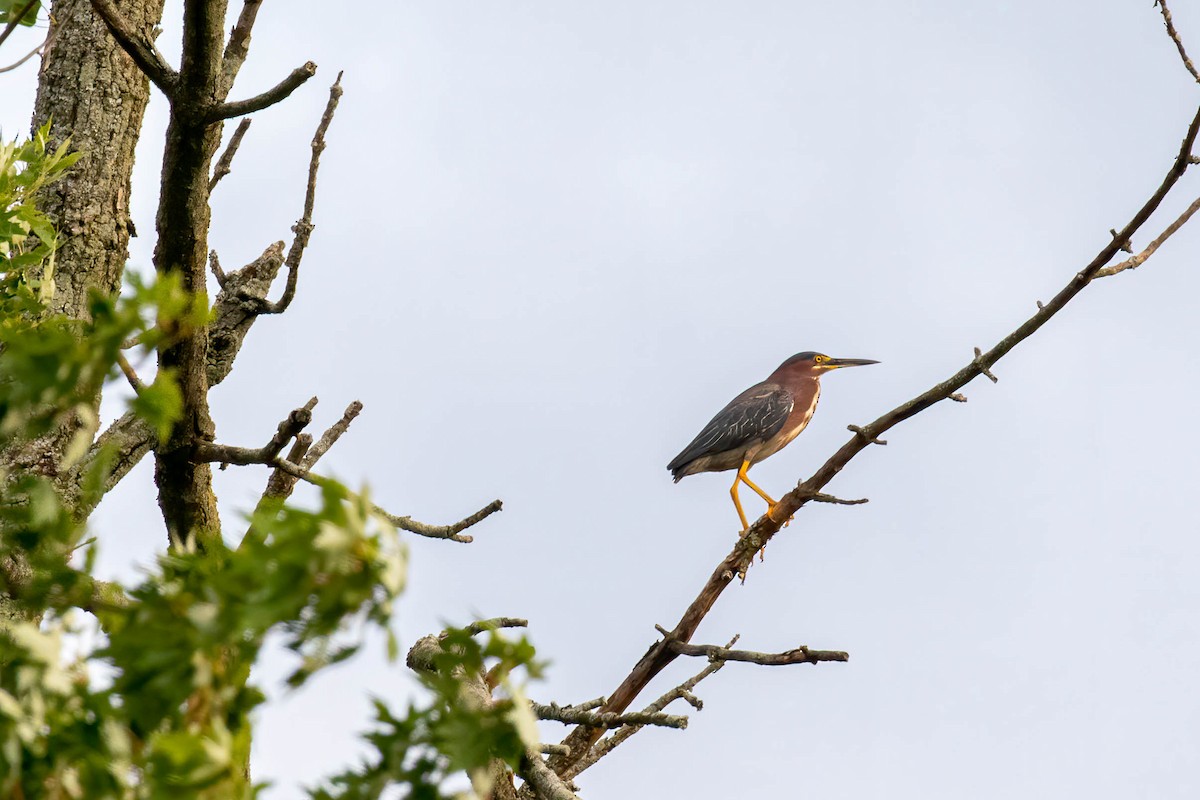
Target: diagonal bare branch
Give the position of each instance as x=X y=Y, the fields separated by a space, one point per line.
x=606 y=745
x=1174 y=34
x=139 y=46
x=331 y=435
x=15 y=18
x=662 y=653
x=35 y=51
x=238 y=46
x=1133 y=262
x=304 y=227
x=225 y=166
x=545 y=783
x=208 y=452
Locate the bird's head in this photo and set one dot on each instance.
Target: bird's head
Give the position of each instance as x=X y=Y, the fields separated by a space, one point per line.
x=814 y=365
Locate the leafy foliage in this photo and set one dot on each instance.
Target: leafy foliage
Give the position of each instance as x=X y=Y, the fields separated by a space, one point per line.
x=10 y=8
x=453 y=732
x=160 y=705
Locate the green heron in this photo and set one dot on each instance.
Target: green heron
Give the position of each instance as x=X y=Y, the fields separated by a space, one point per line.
x=760 y=422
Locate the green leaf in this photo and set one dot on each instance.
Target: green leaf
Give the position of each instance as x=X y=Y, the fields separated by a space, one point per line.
x=160 y=404
x=8 y=8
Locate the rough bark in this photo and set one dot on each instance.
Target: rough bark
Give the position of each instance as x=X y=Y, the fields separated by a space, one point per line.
x=185 y=493
x=95 y=95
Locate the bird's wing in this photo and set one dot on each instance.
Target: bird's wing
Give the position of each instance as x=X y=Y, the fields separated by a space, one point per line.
x=754 y=416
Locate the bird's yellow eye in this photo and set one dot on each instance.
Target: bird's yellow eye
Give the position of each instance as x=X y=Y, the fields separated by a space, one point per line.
x=819 y=359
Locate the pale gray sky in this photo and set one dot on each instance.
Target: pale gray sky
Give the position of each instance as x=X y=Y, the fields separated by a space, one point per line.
x=554 y=238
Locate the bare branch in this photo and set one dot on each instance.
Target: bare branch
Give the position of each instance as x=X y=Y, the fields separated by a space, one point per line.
x=1126 y=247
x=801 y=655
x=545 y=783
x=225 y=162
x=305 y=454
x=139 y=47
x=14 y=20
x=244 y=456
x=662 y=652
x=280 y=91
x=280 y=484
x=130 y=374
x=303 y=228
x=820 y=497
x=599 y=719
x=1174 y=34
x=329 y=437
x=214 y=263
x=495 y=623
x=452 y=532
x=238 y=305
x=239 y=43
x=610 y=742
x=1136 y=261
x=866 y=437
x=983 y=370
x=35 y=51
x=290 y=428
x=588 y=705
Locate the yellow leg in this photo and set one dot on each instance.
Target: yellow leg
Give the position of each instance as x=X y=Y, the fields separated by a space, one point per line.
x=746 y=480
x=733 y=492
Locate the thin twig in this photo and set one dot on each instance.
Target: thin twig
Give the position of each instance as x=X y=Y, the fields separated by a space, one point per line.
x=304 y=227
x=130 y=373
x=238 y=108
x=225 y=162
x=1174 y=34
x=588 y=705
x=821 y=497
x=239 y=43
x=214 y=263
x=244 y=456
x=495 y=623
x=305 y=454
x=15 y=18
x=661 y=653
x=331 y=435
x=868 y=438
x=983 y=370
x=609 y=743
x=801 y=655
x=453 y=532
x=600 y=719
x=290 y=428
x=1134 y=262
x=31 y=53
x=280 y=484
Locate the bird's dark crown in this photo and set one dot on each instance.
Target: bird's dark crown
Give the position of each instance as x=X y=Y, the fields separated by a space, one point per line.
x=813 y=363
x=807 y=357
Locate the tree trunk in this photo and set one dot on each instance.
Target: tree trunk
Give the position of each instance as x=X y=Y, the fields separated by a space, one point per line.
x=95 y=95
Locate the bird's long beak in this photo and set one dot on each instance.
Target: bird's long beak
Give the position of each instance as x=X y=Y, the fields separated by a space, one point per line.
x=838 y=363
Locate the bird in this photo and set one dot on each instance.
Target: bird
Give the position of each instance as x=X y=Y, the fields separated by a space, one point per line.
x=760 y=422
